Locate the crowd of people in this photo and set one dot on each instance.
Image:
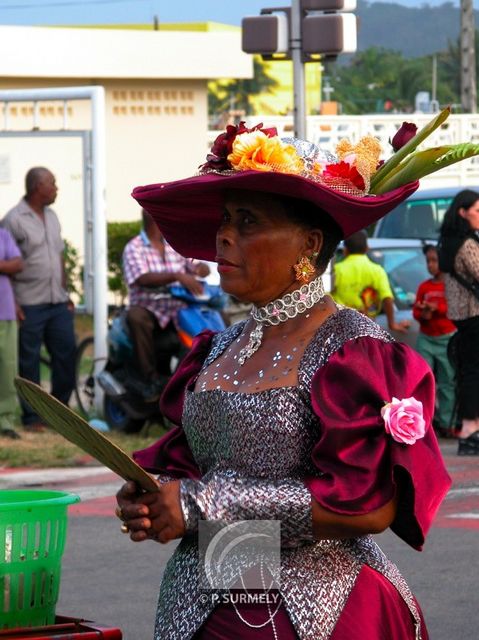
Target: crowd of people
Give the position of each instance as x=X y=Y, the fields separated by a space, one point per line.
x=35 y=308
x=36 y=311
x=306 y=412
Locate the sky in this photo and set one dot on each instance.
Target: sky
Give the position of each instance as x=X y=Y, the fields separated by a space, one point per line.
x=69 y=12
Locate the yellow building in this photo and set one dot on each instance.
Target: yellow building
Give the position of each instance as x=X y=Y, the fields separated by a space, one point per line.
x=280 y=101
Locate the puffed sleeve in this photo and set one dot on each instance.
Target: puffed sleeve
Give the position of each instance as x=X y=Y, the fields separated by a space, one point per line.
x=171 y=455
x=360 y=466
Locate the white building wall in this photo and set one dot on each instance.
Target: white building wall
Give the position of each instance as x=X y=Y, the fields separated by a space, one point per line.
x=121 y=53
x=156 y=108
x=155 y=131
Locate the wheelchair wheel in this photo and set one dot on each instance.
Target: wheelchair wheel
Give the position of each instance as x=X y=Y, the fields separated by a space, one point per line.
x=84 y=377
x=118 y=419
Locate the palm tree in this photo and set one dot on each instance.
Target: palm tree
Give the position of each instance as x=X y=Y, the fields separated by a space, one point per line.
x=235 y=94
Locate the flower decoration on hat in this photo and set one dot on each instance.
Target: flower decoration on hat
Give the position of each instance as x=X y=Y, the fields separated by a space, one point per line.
x=356 y=169
x=217 y=159
x=363 y=157
x=258 y=151
x=407 y=131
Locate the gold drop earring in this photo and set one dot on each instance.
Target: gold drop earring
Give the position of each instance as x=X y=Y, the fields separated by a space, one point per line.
x=304 y=269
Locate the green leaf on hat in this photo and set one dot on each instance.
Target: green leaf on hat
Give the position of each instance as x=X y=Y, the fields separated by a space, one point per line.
x=384 y=172
x=422 y=163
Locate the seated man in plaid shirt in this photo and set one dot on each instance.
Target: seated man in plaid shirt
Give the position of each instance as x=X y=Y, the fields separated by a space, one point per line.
x=150 y=263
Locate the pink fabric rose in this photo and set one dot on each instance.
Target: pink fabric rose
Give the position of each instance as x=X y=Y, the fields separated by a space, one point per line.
x=404 y=420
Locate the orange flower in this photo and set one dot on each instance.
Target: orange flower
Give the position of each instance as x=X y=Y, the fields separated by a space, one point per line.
x=257 y=151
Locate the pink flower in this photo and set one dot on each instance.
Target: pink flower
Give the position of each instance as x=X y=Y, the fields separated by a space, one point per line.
x=404 y=420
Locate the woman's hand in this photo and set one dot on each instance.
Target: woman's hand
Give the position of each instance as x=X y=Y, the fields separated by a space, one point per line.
x=152 y=516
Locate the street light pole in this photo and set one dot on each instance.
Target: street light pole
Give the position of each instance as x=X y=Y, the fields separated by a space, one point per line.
x=300 y=33
x=468 y=58
x=299 y=93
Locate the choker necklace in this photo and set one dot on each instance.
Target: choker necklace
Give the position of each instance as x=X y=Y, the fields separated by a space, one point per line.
x=281 y=310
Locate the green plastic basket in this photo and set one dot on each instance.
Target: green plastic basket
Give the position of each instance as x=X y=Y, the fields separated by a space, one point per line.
x=33 y=526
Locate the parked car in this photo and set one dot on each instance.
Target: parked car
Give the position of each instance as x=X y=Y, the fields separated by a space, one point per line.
x=405 y=265
x=420 y=216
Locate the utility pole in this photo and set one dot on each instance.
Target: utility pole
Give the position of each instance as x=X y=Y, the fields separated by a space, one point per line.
x=434 y=104
x=299 y=94
x=468 y=58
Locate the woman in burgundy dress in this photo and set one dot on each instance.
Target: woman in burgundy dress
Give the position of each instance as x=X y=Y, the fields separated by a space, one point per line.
x=306 y=414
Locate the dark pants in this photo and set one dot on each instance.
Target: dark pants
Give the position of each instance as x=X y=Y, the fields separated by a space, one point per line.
x=51 y=324
x=468 y=365
x=153 y=346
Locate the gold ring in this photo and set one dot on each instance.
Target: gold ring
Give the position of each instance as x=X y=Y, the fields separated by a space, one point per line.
x=119 y=513
x=124 y=528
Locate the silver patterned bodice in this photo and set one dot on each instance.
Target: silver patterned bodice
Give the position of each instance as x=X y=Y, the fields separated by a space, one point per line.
x=270 y=434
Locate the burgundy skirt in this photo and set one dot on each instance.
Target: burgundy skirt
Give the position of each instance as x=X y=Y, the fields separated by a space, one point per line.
x=374 y=611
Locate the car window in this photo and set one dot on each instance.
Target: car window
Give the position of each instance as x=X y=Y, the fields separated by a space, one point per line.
x=414 y=218
x=406 y=268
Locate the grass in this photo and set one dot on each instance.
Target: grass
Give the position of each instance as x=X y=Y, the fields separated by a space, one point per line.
x=50 y=449
x=83 y=326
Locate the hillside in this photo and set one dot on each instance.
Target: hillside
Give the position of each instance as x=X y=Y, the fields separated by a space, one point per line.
x=414 y=31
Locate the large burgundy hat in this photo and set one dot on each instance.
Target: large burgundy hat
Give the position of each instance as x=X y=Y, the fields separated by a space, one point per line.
x=189 y=211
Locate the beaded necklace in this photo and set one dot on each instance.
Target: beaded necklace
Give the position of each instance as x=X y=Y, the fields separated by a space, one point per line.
x=281 y=310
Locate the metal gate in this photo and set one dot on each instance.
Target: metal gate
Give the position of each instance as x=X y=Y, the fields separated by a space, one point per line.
x=94 y=170
x=85 y=137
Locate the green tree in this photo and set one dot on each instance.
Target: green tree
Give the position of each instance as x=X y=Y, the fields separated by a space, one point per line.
x=73 y=270
x=235 y=94
x=119 y=233
x=377 y=75
x=449 y=69
x=368 y=81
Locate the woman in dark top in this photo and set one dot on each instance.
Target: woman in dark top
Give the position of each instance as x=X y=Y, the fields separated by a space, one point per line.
x=459 y=259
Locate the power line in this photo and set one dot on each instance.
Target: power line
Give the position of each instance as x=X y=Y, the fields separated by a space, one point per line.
x=65 y=3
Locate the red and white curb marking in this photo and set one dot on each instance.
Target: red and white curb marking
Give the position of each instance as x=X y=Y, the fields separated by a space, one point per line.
x=97 y=487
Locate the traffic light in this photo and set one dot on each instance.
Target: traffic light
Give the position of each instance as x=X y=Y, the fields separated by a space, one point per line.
x=329 y=34
x=328 y=5
x=325 y=30
x=267 y=34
